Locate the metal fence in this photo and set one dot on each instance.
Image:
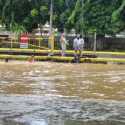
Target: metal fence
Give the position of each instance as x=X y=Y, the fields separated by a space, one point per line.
x=102 y=44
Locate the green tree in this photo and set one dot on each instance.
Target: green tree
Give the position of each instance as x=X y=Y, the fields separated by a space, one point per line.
x=103 y=15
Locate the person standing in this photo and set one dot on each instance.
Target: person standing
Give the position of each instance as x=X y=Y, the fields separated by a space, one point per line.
x=81 y=45
x=76 y=44
x=63 y=43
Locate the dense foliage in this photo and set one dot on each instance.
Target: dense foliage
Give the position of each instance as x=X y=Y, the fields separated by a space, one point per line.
x=102 y=16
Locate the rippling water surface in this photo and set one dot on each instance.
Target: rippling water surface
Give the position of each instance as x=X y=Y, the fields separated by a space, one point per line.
x=61 y=94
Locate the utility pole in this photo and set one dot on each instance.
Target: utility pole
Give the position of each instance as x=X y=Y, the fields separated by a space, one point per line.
x=94 y=48
x=51 y=35
x=51 y=16
x=82 y=18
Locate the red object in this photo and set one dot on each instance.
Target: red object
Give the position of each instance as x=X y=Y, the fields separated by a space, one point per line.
x=24 y=38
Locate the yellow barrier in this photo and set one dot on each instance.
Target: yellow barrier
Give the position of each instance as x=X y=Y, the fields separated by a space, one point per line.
x=40 y=47
x=38 y=39
x=51 y=41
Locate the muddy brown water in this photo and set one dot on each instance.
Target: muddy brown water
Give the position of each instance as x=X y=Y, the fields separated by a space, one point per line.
x=61 y=94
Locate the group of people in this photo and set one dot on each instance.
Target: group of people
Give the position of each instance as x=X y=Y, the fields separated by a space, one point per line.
x=78 y=44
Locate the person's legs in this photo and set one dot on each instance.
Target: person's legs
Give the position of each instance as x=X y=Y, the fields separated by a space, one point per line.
x=81 y=49
x=63 y=52
x=76 y=50
x=63 y=49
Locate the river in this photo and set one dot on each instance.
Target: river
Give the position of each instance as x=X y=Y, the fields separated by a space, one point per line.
x=48 y=93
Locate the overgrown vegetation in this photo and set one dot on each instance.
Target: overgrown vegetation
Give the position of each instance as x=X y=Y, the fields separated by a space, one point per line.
x=102 y=16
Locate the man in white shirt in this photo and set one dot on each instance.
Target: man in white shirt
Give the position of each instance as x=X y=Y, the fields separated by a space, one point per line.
x=76 y=44
x=81 y=45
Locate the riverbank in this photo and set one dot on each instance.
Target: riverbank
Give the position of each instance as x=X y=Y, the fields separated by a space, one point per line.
x=42 y=55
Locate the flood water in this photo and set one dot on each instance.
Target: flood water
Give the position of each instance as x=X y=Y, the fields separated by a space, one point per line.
x=48 y=93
